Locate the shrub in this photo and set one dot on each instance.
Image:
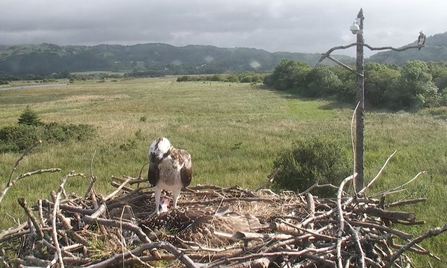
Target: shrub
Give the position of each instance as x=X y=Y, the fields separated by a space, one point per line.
x=309 y=161
x=29 y=117
x=17 y=138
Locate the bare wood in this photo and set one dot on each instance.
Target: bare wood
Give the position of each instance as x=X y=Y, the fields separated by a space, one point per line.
x=147 y=246
x=22 y=203
x=325 y=55
x=378 y=174
x=353 y=142
x=400 y=234
x=390 y=215
x=399 y=188
x=271 y=254
x=310 y=207
x=317 y=185
x=343 y=65
x=115 y=184
x=430 y=233
x=341 y=219
x=92 y=178
x=118 y=189
x=358 y=245
x=13 y=232
x=406 y=202
x=55 y=211
x=24 y=175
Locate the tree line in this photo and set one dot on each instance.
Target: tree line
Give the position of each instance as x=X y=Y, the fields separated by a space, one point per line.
x=413 y=86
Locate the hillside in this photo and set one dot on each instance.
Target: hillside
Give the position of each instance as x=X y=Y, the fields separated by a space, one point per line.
x=435 y=50
x=164 y=59
x=45 y=59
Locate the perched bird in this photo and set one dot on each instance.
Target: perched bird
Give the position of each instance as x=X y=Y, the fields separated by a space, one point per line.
x=169 y=169
x=421 y=40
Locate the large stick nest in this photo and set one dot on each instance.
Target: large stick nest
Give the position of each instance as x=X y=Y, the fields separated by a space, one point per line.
x=213 y=227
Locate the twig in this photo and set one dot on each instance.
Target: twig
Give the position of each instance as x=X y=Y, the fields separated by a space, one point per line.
x=16 y=164
x=55 y=211
x=430 y=233
x=378 y=174
x=118 y=189
x=137 y=251
x=358 y=245
x=317 y=185
x=341 y=220
x=22 y=203
x=406 y=202
x=92 y=178
x=24 y=175
x=353 y=141
x=399 y=188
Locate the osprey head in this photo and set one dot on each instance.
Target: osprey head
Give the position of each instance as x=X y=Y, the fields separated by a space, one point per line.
x=159 y=147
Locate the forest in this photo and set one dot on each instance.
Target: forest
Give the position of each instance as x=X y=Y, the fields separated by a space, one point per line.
x=410 y=87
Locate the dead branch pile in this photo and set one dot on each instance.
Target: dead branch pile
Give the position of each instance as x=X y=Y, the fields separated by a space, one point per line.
x=213 y=227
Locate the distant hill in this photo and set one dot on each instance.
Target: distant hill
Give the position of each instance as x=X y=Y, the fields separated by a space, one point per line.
x=435 y=50
x=164 y=59
x=155 y=58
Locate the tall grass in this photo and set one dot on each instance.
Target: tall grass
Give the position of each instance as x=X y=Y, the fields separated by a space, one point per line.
x=233 y=131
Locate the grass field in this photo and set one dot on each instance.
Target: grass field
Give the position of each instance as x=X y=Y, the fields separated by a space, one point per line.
x=233 y=131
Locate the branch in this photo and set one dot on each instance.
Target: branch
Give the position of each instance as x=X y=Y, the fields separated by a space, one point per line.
x=137 y=251
x=341 y=219
x=327 y=54
x=24 y=175
x=430 y=233
x=16 y=164
x=378 y=174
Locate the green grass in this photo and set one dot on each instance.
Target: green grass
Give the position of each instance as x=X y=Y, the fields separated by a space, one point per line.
x=233 y=131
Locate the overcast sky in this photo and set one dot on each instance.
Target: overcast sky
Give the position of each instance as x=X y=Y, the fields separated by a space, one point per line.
x=310 y=26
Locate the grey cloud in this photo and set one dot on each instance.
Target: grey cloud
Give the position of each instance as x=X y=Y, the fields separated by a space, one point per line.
x=282 y=25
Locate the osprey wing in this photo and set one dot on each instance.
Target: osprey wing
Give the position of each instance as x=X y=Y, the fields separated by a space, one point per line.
x=186 y=170
x=153 y=174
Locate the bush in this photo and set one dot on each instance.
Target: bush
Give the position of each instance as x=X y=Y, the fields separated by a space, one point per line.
x=29 y=117
x=19 y=137
x=309 y=161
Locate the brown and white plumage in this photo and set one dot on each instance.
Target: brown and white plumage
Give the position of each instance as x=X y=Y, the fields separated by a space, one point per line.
x=169 y=169
x=421 y=39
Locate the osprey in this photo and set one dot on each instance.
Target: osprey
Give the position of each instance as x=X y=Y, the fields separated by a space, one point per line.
x=169 y=169
x=421 y=40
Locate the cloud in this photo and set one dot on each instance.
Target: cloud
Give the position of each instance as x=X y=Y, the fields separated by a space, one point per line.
x=282 y=25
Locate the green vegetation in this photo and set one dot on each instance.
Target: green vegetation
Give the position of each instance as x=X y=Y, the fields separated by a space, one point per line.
x=250 y=77
x=414 y=86
x=16 y=138
x=143 y=60
x=317 y=159
x=234 y=133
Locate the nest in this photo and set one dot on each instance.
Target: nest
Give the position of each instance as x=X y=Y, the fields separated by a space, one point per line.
x=212 y=227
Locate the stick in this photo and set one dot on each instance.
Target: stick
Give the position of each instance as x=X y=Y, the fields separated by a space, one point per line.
x=22 y=203
x=118 y=258
x=24 y=175
x=325 y=55
x=55 y=211
x=430 y=233
x=118 y=189
x=341 y=219
x=378 y=174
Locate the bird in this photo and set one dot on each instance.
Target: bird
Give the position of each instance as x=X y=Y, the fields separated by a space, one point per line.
x=421 y=40
x=169 y=169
